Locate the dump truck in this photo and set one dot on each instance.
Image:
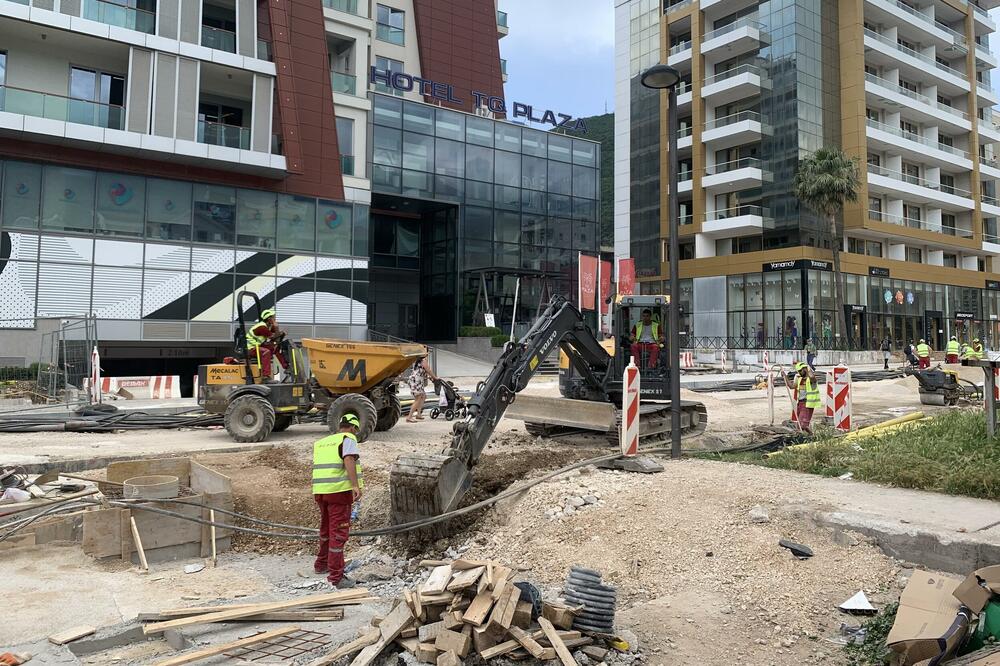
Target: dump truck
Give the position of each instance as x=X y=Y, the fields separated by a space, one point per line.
x=334 y=377
x=425 y=485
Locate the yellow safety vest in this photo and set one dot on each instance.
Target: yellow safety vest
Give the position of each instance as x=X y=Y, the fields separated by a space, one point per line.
x=812 y=392
x=976 y=352
x=952 y=347
x=329 y=475
x=254 y=340
x=640 y=326
x=923 y=351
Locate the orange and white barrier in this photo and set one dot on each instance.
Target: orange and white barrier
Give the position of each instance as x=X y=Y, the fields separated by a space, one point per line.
x=629 y=438
x=157 y=387
x=95 y=376
x=829 y=394
x=842 y=398
x=687 y=359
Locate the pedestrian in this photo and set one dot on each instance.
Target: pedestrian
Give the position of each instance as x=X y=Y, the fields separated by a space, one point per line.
x=417 y=382
x=911 y=353
x=807 y=391
x=886 y=349
x=951 y=351
x=924 y=354
x=337 y=483
x=264 y=343
x=811 y=354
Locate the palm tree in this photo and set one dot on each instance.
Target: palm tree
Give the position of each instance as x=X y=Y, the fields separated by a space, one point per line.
x=824 y=182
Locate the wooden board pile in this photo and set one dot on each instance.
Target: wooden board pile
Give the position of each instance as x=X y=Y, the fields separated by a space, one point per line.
x=467 y=607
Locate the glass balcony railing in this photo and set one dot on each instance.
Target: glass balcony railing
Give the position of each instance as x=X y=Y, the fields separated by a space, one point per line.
x=732 y=118
x=348 y=6
x=913 y=54
x=990 y=162
x=924 y=99
x=502 y=19
x=347 y=165
x=733 y=165
x=218 y=39
x=669 y=6
x=59 y=107
x=684 y=132
x=917 y=180
x=680 y=46
x=991 y=200
x=730 y=73
x=737 y=211
x=913 y=223
x=683 y=87
x=957 y=36
x=346 y=84
x=983 y=49
x=220 y=134
x=112 y=13
x=984 y=85
x=976 y=9
x=916 y=138
x=746 y=21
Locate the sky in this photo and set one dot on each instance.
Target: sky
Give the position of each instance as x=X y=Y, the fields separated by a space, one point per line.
x=560 y=55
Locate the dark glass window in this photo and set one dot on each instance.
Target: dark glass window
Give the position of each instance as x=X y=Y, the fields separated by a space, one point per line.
x=560 y=177
x=214 y=214
x=508 y=169
x=533 y=173
x=418 y=152
x=449 y=158
x=479 y=163
x=478 y=223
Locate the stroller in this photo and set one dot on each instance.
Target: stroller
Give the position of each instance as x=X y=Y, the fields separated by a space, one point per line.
x=450 y=403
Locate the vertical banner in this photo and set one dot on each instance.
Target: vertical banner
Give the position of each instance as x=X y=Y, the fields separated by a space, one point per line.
x=606 y=269
x=626 y=277
x=588 y=282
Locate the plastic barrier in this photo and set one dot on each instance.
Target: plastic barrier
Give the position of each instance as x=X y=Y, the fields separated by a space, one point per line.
x=630 y=410
x=158 y=387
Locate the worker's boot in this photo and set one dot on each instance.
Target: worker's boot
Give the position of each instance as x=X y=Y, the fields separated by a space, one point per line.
x=345 y=583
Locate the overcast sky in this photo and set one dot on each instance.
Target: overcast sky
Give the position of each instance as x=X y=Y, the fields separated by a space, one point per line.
x=560 y=55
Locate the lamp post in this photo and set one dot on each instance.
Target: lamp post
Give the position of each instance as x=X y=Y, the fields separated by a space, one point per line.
x=663 y=77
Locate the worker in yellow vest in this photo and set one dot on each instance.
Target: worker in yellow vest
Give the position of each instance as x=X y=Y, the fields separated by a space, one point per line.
x=977 y=350
x=336 y=484
x=924 y=354
x=951 y=351
x=807 y=391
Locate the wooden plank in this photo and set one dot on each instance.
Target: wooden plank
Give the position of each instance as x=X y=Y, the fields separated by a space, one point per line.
x=397 y=620
x=332 y=615
x=452 y=619
x=465 y=578
x=500 y=576
x=438 y=581
x=560 y=615
x=426 y=652
x=479 y=609
x=126 y=533
x=433 y=564
x=198 y=655
x=71 y=634
x=429 y=632
x=452 y=641
x=483 y=585
x=436 y=599
x=206 y=534
x=527 y=642
x=119 y=472
x=462 y=565
x=207 y=480
x=550 y=633
x=327 y=607
x=418 y=608
x=138 y=544
x=215 y=555
x=522 y=615
x=502 y=616
x=18 y=541
x=482 y=639
x=102 y=532
x=224 y=616
x=347 y=649
x=448 y=659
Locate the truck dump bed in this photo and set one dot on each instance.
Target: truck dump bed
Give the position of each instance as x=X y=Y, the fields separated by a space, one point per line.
x=347 y=366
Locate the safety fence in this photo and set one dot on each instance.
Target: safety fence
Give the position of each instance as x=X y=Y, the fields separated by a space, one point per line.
x=761 y=342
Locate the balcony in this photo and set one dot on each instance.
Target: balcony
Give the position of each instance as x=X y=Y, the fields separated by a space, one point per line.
x=990 y=205
x=669 y=6
x=888 y=94
x=679 y=53
x=218 y=39
x=917 y=62
x=346 y=6
x=733 y=130
x=347 y=165
x=684 y=137
x=344 y=84
x=111 y=13
x=502 y=28
x=220 y=134
x=911 y=223
x=985 y=91
x=914 y=146
x=894 y=12
x=734 y=175
x=988 y=132
x=990 y=168
x=735 y=39
x=738 y=221
x=918 y=190
x=731 y=85
x=982 y=17
x=985 y=58
x=59 y=107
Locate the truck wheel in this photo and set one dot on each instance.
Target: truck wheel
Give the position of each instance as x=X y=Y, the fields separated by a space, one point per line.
x=388 y=415
x=357 y=404
x=249 y=419
x=281 y=422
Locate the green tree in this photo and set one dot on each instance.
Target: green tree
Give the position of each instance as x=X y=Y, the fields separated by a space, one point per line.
x=824 y=182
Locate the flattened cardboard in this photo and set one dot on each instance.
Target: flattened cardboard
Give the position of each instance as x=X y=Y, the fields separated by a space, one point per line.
x=972 y=594
x=928 y=623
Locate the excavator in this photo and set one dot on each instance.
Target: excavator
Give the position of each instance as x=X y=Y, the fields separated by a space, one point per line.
x=426 y=485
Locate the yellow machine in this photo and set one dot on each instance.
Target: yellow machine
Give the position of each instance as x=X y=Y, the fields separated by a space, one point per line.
x=335 y=376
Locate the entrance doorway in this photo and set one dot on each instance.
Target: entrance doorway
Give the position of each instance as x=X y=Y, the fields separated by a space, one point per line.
x=934 y=329
x=857 y=324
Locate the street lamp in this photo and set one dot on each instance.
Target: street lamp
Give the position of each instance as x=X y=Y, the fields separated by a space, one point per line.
x=664 y=77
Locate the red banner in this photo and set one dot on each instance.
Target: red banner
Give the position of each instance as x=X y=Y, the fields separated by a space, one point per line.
x=606 y=268
x=588 y=282
x=626 y=277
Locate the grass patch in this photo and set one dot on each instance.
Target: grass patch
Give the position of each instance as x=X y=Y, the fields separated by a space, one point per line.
x=873 y=650
x=949 y=454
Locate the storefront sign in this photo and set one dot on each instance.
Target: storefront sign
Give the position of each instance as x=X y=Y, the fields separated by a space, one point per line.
x=445 y=92
x=792 y=264
x=878 y=271
x=965 y=315
x=993 y=285
x=858 y=308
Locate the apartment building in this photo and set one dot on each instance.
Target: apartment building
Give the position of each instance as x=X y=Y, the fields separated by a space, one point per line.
x=159 y=156
x=902 y=85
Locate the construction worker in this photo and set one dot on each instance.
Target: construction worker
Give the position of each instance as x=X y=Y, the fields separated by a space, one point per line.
x=263 y=340
x=977 y=350
x=336 y=484
x=951 y=351
x=807 y=391
x=647 y=338
x=966 y=350
x=924 y=354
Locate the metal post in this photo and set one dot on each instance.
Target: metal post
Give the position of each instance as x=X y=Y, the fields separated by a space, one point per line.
x=673 y=219
x=991 y=413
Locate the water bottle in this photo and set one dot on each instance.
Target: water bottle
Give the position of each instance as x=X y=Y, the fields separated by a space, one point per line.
x=354 y=511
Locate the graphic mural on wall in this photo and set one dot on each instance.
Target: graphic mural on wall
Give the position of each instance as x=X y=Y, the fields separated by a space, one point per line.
x=55 y=276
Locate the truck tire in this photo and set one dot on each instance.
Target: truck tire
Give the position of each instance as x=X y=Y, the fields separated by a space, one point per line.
x=281 y=422
x=388 y=415
x=249 y=419
x=357 y=404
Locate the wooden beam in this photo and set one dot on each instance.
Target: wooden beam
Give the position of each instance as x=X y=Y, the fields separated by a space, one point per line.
x=331 y=615
x=124 y=517
x=71 y=634
x=138 y=544
x=527 y=642
x=465 y=578
x=479 y=609
x=211 y=518
x=550 y=633
x=198 y=655
x=438 y=581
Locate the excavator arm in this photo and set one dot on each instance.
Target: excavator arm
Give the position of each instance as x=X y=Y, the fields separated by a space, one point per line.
x=427 y=485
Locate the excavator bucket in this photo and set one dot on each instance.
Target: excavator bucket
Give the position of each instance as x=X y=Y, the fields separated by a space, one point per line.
x=582 y=414
x=426 y=485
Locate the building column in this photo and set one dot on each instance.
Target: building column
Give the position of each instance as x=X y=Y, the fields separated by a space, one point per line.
x=167 y=17
x=190 y=21
x=188 y=86
x=262 y=114
x=139 y=91
x=164 y=104
x=246 y=28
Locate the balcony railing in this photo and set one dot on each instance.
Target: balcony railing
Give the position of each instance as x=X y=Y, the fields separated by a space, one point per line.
x=347 y=165
x=680 y=46
x=910 y=52
x=346 y=84
x=502 y=19
x=59 y=107
x=220 y=134
x=916 y=180
x=349 y=6
x=683 y=87
x=730 y=73
x=983 y=49
x=990 y=162
x=674 y=6
x=984 y=85
x=885 y=83
x=732 y=118
x=958 y=37
x=737 y=211
x=751 y=21
x=732 y=165
x=684 y=132
x=909 y=136
x=913 y=223
x=218 y=39
x=976 y=9
x=112 y=13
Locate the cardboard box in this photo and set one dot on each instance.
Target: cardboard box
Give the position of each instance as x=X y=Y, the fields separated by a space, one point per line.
x=928 y=623
x=972 y=593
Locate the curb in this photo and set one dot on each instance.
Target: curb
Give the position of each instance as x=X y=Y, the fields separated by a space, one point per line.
x=73 y=465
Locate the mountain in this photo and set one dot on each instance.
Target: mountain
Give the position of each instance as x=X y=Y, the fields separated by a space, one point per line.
x=602 y=129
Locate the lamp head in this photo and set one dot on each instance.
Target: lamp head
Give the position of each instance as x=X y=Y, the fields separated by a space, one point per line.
x=661 y=77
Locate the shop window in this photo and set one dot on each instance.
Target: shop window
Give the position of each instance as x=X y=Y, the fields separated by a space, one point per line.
x=121 y=200
x=333 y=228
x=22 y=188
x=297 y=222
x=390 y=25
x=214 y=214
x=68 y=199
x=255 y=217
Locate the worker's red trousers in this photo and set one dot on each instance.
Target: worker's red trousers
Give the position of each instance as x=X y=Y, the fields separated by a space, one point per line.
x=648 y=351
x=266 y=353
x=804 y=416
x=925 y=362
x=951 y=358
x=334 y=528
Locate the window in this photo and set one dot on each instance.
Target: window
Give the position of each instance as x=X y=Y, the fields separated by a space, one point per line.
x=912 y=214
x=255 y=217
x=855 y=246
x=222 y=125
x=947 y=183
x=909 y=127
x=345 y=141
x=120 y=202
x=96 y=98
x=388 y=65
x=873 y=114
x=946 y=101
x=951 y=260
x=214 y=214
x=22 y=188
x=333 y=228
x=946 y=140
x=911 y=173
x=874 y=159
x=297 y=221
x=68 y=199
x=948 y=223
x=874 y=208
x=874 y=249
x=218 y=27
x=390 y=25
x=905 y=44
x=915 y=255
x=168 y=210
x=871 y=69
x=909 y=85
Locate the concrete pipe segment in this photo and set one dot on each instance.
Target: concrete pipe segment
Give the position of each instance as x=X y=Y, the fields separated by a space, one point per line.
x=152 y=487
